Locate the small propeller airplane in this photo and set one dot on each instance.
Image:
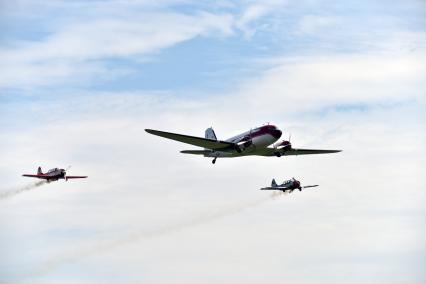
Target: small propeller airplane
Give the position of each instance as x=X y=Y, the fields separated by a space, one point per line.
x=288 y=185
x=254 y=142
x=53 y=175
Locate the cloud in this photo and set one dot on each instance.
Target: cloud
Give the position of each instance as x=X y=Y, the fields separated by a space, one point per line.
x=367 y=215
x=78 y=50
x=90 y=40
x=139 y=182
x=253 y=13
x=313 y=24
x=312 y=82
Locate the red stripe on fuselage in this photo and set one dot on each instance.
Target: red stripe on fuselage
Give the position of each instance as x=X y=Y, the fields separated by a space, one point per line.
x=263 y=130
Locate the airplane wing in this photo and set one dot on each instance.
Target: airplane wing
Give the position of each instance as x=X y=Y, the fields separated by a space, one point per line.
x=68 y=177
x=275 y=188
x=196 y=141
x=196 y=152
x=308 y=186
x=34 y=176
x=294 y=151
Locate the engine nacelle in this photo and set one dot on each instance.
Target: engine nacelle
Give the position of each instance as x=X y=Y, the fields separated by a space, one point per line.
x=244 y=145
x=283 y=145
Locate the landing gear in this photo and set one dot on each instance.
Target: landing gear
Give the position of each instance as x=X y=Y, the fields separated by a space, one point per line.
x=214 y=160
x=278 y=154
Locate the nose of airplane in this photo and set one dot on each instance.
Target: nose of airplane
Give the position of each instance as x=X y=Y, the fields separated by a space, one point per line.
x=276 y=133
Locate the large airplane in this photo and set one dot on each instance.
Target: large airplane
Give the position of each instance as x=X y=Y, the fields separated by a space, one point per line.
x=250 y=143
x=52 y=175
x=288 y=185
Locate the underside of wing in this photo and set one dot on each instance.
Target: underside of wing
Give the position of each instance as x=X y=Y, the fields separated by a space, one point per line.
x=308 y=186
x=68 y=177
x=293 y=151
x=196 y=141
x=196 y=152
x=274 y=188
x=34 y=176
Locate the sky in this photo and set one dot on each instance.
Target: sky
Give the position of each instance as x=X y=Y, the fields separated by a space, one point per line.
x=81 y=80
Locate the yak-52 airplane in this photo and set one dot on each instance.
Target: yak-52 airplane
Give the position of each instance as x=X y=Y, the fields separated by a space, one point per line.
x=254 y=142
x=52 y=175
x=288 y=185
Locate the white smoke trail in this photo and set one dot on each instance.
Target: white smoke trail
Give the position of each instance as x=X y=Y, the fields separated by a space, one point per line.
x=143 y=235
x=12 y=192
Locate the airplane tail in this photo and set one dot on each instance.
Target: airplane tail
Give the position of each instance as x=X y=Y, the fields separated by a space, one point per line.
x=39 y=172
x=210 y=134
x=274 y=183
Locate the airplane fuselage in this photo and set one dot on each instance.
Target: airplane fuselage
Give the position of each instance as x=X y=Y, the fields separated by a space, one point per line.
x=291 y=184
x=288 y=185
x=53 y=175
x=249 y=141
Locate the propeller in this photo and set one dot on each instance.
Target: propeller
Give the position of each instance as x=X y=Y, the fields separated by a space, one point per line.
x=285 y=145
x=288 y=144
x=65 y=172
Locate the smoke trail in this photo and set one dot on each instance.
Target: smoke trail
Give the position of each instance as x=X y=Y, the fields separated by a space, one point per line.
x=13 y=192
x=143 y=235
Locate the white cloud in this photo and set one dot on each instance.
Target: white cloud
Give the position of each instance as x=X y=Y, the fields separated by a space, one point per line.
x=76 y=50
x=314 y=24
x=140 y=183
x=319 y=81
x=367 y=215
x=250 y=14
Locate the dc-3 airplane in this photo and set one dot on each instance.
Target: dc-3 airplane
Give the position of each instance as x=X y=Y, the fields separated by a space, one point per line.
x=52 y=175
x=288 y=185
x=254 y=142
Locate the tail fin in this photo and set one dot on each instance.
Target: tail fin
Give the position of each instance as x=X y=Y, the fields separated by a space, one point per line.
x=39 y=172
x=274 y=183
x=210 y=134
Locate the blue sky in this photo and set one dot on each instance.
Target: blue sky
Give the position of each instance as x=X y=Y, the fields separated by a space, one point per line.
x=202 y=48
x=81 y=80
